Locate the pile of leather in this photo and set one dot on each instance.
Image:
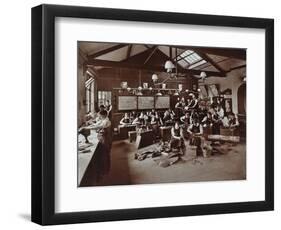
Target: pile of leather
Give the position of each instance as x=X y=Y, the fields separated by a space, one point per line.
x=147 y=154
x=169 y=159
x=163 y=155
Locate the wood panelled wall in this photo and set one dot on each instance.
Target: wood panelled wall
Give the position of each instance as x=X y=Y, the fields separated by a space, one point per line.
x=109 y=78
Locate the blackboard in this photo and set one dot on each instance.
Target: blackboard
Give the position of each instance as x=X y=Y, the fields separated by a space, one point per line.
x=127 y=103
x=162 y=102
x=145 y=102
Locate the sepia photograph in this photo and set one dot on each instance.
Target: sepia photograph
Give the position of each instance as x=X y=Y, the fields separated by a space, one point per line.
x=156 y=113
x=142 y=114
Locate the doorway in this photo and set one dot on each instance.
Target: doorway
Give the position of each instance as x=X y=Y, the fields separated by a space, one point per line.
x=241 y=96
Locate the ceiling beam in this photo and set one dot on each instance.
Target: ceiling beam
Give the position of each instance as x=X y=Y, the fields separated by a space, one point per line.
x=146 y=46
x=227 y=52
x=210 y=60
x=237 y=67
x=153 y=49
x=170 y=52
x=108 y=50
x=231 y=53
x=129 y=50
x=223 y=60
x=112 y=64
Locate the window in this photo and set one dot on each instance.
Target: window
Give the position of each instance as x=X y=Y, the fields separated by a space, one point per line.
x=89 y=84
x=103 y=96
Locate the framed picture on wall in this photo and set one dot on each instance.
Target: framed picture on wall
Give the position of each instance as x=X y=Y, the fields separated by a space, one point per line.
x=110 y=142
x=228 y=105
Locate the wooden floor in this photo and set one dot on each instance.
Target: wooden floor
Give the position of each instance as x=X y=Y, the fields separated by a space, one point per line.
x=125 y=170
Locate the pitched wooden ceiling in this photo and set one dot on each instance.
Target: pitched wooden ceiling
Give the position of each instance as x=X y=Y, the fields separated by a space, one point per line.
x=189 y=60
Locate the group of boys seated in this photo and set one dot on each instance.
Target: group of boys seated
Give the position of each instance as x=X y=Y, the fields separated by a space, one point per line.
x=188 y=120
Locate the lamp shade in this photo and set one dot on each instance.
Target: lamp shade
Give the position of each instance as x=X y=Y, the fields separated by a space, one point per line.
x=169 y=65
x=154 y=77
x=203 y=75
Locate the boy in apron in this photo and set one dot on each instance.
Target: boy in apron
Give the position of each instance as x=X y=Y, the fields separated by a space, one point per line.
x=102 y=152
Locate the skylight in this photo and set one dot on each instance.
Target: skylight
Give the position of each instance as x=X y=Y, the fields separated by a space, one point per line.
x=183 y=63
x=188 y=58
x=186 y=53
x=201 y=62
x=192 y=58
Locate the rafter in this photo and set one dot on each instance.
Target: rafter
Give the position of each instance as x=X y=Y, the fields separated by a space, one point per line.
x=170 y=52
x=112 y=64
x=129 y=57
x=129 y=50
x=146 y=46
x=208 y=59
x=227 y=52
x=223 y=60
x=153 y=49
x=237 y=67
x=108 y=50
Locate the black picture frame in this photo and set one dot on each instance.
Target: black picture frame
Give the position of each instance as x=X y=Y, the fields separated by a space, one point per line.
x=43 y=114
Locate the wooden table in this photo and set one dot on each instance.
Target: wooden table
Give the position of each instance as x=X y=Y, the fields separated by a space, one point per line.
x=132 y=136
x=124 y=129
x=85 y=158
x=233 y=139
x=145 y=138
x=229 y=131
x=165 y=133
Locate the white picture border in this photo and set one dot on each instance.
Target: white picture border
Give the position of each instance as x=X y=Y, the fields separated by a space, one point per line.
x=70 y=198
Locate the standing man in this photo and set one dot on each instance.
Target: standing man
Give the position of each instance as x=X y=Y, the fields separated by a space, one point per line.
x=102 y=123
x=108 y=108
